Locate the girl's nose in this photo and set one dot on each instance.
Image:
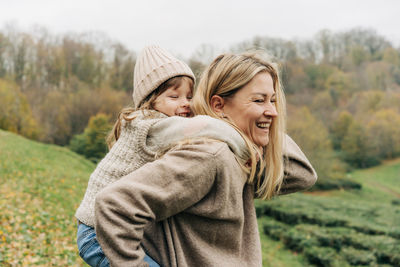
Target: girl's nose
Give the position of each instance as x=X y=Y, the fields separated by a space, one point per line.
x=185 y=102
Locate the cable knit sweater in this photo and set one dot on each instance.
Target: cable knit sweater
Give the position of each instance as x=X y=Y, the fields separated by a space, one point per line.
x=140 y=141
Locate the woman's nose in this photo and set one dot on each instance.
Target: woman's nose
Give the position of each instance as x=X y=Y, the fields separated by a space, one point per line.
x=270 y=110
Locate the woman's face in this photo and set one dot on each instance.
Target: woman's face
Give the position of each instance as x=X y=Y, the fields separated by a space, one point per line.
x=252 y=108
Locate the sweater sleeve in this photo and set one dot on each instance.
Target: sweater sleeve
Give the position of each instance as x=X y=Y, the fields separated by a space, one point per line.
x=157 y=190
x=298 y=173
x=171 y=130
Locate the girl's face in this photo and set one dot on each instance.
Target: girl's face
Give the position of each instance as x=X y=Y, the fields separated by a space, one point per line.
x=252 y=108
x=175 y=101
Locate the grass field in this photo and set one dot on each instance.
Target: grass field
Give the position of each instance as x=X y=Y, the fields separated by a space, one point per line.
x=42 y=185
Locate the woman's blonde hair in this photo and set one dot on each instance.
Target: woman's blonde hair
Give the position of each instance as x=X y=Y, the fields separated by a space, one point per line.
x=146 y=105
x=226 y=75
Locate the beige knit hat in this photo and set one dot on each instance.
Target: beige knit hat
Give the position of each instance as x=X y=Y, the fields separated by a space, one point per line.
x=153 y=67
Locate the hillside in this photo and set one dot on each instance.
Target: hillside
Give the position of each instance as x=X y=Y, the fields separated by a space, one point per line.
x=42 y=185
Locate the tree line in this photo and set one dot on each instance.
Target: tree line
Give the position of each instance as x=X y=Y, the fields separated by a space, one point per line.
x=342 y=88
x=50 y=85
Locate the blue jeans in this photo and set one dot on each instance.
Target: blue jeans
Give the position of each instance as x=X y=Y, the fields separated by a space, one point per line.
x=91 y=252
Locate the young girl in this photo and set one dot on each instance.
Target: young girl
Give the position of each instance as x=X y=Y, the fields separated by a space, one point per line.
x=163 y=86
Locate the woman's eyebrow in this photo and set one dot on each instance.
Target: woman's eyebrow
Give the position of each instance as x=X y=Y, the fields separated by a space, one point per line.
x=262 y=94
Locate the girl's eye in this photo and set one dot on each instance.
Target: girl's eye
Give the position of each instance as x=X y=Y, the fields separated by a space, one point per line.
x=173 y=96
x=273 y=101
x=189 y=97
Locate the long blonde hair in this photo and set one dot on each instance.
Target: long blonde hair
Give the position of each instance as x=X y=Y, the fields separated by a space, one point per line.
x=226 y=75
x=146 y=106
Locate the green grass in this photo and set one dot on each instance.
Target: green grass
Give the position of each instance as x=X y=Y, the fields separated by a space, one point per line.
x=41 y=187
x=340 y=228
x=382 y=181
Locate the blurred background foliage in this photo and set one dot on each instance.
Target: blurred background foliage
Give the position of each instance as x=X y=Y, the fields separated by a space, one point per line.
x=343 y=91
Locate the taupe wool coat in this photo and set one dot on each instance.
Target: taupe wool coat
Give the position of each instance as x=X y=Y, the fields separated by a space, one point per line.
x=191 y=207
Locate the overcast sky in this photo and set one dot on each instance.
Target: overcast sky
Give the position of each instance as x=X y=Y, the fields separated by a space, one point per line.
x=183 y=25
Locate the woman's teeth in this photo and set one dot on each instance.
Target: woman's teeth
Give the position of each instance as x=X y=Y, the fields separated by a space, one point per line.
x=263 y=125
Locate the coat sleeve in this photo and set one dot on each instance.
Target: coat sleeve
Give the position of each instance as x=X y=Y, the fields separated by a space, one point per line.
x=298 y=172
x=157 y=190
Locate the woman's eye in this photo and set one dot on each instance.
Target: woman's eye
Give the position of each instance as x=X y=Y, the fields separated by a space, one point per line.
x=273 y=100
x=259 y=100
x=189 y=97
x=173 y=96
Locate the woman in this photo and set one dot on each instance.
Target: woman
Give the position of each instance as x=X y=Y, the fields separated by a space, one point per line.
x=194 y=205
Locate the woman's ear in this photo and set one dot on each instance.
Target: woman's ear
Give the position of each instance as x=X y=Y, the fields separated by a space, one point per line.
x=217 y=104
